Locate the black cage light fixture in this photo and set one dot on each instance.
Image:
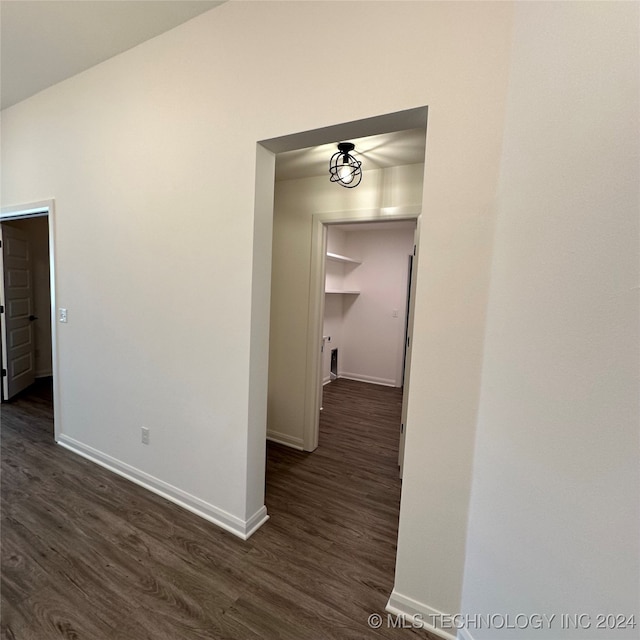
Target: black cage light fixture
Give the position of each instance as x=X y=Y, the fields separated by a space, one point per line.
x=344 y=168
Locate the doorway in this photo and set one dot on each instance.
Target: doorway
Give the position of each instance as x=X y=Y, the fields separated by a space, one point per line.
x=30 y=325
x=291 y=214
x=367 y=305
x=25 y=286
x=404 y=216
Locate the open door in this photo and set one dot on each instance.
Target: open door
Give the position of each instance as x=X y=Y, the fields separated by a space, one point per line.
x=411 y=296
x=16 y=319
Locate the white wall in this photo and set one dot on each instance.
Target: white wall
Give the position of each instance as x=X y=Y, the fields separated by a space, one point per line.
x=37 y=230
x=151 y=157
x=554 y=514
x=335 y=272
x=373 y=336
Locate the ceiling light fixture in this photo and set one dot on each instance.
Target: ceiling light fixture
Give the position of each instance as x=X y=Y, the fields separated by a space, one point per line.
x=344 y=168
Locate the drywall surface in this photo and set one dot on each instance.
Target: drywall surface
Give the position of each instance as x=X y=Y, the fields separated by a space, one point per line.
x=151 y=159
x=374 y=323
x=336 y=240
x=554 y=516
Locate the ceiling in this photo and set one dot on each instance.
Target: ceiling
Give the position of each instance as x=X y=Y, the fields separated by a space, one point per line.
x=43 y=42
x=375 y=152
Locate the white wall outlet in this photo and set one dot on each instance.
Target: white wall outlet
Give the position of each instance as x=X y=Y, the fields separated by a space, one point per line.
x=62 y=314
x=145 y=435
x=394 y=313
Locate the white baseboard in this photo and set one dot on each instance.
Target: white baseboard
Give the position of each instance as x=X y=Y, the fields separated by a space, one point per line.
x=287 y=440
x=385 y=382
x=241 y=528
x=418 y=613
x=44 y=374
x=252 y=524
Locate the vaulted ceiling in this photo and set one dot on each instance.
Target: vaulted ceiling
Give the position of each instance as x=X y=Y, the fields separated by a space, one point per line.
x=43 y=42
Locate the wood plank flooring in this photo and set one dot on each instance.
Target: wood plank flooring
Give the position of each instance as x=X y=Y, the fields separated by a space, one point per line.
x=87 y=555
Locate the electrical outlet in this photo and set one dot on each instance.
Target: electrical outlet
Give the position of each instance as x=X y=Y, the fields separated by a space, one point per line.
x=145 y=435
x=62 y=314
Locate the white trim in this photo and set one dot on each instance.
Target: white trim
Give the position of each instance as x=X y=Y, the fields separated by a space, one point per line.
x=464 y=634
x=418 y=613
x=29 y=210
x=254 y=522
x=384 y=382
x=241 y=528
x=315 y=319
x=44 y=374
x=286 y=440
x=33 y=210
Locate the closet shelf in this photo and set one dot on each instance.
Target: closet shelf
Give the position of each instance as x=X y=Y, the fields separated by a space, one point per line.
x=351 y=293
x=334 y=257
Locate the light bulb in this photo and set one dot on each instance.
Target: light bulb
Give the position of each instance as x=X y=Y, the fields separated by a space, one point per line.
x=345 y=172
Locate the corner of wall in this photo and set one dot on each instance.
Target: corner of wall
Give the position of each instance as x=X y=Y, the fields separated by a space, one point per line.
x=420 y=615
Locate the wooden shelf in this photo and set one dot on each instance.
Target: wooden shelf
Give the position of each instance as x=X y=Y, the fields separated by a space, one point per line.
x=334 y=257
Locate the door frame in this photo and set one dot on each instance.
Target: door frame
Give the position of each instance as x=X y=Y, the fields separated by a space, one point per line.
x=37 y=210
x=408 y=344
x=320 y=222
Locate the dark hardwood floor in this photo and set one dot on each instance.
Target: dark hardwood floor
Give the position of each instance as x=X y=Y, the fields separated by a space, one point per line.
x=89 y=555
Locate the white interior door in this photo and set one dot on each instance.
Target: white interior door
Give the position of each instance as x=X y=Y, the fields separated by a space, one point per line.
x=18 y=346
